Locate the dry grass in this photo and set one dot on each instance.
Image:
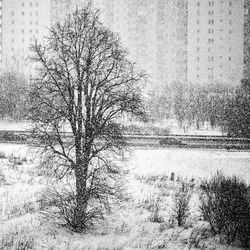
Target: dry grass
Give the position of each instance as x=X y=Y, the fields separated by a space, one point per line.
x=144 y=222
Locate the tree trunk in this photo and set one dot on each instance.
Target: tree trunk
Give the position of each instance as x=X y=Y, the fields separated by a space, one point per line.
x=81 y=193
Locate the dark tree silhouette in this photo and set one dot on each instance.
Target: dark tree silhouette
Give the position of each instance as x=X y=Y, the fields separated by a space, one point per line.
x=237 y=114
x=13 y=95
x=84 y=83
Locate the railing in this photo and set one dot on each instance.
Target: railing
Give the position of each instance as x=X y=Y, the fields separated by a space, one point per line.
x=193 y=141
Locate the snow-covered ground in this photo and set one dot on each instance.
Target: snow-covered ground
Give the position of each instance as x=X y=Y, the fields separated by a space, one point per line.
x=14 y=125
x=189 y=163
x=129 y=227
x=197 y=163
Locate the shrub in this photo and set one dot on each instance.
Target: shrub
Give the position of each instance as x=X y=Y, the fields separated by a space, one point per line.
x=181 y=203
x=154 y=216
x=198 y=237
x=17 y=239
x=225 y=205
x=11 y=136
x=2 y=178
x=59 y=206
x=2 y=155
x=24 y=242
x=16 y=160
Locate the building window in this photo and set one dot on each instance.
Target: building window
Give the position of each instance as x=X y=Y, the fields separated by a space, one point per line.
x=198 y=49
x=229 y=58
x=12 y=13
x=198 y=31
x=198 y=4
x=198 y=76
x=12 y=31
x=211 y=21
x=22 y=13
x=230 y=31
x=22 y=31
x=198 y=59
x=36 y=4
x=30 y=4
x=198 y=21
x=22 y=4
x=221 y=20
x=13 y=22
x=198 y=40
x=211 y=3
x=230 y=3
x=198 y=12
x=230 y=12
x=230 y=22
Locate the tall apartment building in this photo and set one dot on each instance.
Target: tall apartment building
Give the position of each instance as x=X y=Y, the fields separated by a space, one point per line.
x=21 y=22
x=215 y=41
x=198 y=41
x=153 y=31
x=1 y=34
x=247 y=39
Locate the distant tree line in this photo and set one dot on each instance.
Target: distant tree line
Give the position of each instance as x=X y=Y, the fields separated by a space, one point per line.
x=191 y=104
x=13 y=95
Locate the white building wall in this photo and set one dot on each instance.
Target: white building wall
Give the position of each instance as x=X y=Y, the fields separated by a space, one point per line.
x=22 y=22
x=215 y=41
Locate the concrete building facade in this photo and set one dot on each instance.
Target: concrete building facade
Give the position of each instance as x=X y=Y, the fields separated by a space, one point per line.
x=198 y=41
x=22 y=22
x=215 y=41
x=247 y=39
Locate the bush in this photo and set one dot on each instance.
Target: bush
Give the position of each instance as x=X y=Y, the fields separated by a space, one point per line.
x=2 y=178
x=225 y=205
x=59 y=206
x=154 y=215
x=181 y=203
x=11 y=136
x=2 y=155
x=17 y=239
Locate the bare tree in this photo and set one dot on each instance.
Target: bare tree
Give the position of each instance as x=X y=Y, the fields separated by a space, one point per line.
x=84 y=83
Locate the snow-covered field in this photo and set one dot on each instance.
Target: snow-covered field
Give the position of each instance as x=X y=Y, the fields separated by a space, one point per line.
x=197 y=163
x=129 y=227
